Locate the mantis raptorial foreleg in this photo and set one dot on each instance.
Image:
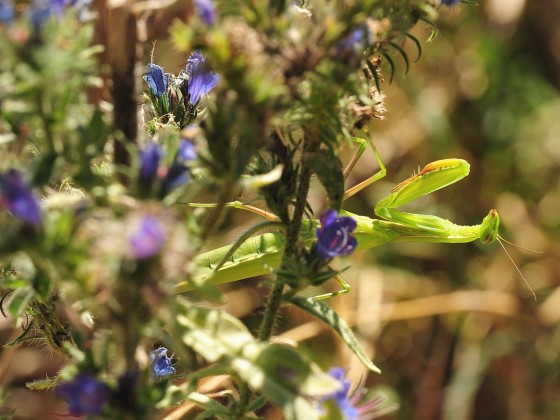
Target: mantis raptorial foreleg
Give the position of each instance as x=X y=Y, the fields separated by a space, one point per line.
x=375 y=177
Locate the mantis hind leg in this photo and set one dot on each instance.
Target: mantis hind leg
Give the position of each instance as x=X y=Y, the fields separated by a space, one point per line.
x=375 y=177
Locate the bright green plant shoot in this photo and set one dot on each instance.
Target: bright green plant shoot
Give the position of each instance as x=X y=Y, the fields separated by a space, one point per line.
x=261 y=254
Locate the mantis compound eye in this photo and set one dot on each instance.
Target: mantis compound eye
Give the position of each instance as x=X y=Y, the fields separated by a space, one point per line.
x=489 y=227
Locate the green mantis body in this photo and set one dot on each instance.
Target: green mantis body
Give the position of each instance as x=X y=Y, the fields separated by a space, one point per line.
x=261 y=254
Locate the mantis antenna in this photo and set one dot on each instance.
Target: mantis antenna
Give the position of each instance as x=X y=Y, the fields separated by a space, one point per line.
x=501 y=242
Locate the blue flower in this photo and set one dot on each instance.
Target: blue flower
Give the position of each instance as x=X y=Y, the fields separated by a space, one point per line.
x=450 y=2
x=200 y=81
x=148 y=239
x=7 y=12
x=206 y=10
x=347 y=403
x=161 y=363
x=186 y=151
x=18 y=199
x=85 y=395
x=157 y=80
x=356 y=41
x=149 y=157
x=334 y=236
x=340 y=397
x=178 y=173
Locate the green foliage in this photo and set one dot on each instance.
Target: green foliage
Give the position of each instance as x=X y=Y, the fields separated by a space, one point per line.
x=333 y=320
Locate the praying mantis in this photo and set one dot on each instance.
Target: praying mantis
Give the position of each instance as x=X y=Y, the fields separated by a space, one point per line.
x=259 y=255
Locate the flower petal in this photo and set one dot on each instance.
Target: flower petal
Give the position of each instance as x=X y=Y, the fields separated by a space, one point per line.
x=156 y=79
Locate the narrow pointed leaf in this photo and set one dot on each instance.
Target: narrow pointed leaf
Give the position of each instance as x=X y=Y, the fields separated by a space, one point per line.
x=330 y=317
x=19 y=300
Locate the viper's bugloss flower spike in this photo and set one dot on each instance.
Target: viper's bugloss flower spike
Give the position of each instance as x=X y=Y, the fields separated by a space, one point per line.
x=334 y=235
x=148 y=239
x=17 y=198
x=350 y=405
x=206 y=11
x=7 y=11
x=149 y=158
x=161 y=363
x=178 y=173
x=200 y=81
x=84 y=394
x=157 y=80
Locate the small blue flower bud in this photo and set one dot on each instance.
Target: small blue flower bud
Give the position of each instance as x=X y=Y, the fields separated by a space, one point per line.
x=161 y=363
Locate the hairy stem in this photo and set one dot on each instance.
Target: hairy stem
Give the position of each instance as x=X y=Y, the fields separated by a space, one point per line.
x=275 y=297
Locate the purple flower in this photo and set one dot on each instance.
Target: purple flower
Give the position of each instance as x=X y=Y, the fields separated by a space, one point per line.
x=149 y=157
x=157 y=80
x=148 y=239
x=186 y=151
x=84 y=394
x=347 y=403
x=178 y=173
x=340 y=397
x=356 y=41
x=18 y=199
x=200 y=81
x=206 y=10
x=450 y=2
x=161 y=363
x=334 y=236
x=7 y=12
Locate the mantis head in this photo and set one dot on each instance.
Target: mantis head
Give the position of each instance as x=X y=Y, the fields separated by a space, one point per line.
x=489 y=227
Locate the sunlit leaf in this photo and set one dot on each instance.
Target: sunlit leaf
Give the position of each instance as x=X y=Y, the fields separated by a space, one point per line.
x=331 y=318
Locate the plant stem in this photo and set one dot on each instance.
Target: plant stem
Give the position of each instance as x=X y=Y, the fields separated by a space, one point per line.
x=275 y=298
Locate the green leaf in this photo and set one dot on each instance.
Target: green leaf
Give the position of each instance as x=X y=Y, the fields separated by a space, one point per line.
x=210 y=405
x=19 y=300
x=212 y=333
x=279 y=372
x=328 y=168
x=14 y=282
x=331 y=318
x=41 y=283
